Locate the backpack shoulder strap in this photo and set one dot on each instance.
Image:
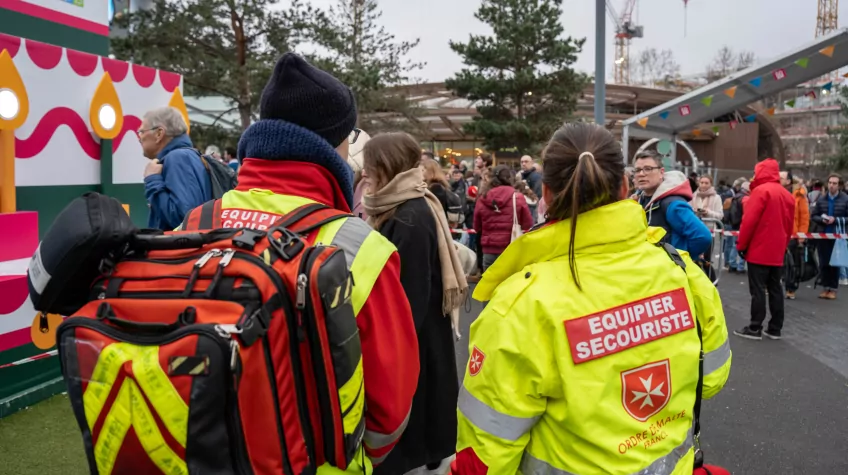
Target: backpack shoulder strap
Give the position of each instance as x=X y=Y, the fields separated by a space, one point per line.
x=205 y=216
x=696 y=410
x=309 y=217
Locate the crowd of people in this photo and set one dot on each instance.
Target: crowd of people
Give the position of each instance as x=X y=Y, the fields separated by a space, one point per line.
x=552 y=242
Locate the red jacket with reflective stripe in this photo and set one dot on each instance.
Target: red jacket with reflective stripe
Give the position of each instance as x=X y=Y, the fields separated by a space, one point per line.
x=386 y=328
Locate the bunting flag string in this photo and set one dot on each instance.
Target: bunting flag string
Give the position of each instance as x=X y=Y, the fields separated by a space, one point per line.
x=811 y=94
x=731 y=92
x=733 y=124
x=828 y=51
x=696 y=132
x=751 y=118
x=707 y=101
x=716 y=129
x=827 y=87
x=756 y=82
x=770 y=111
x=664 y=115
x=779 y=74
x=790 y=103
x=685 y=110
x=803 y=62
x=643 y=122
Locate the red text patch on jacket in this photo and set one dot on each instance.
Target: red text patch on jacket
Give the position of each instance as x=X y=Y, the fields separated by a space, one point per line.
x=632 y=324
x=247 y=218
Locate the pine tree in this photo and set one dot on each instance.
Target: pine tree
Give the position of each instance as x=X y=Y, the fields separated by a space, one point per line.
x=521 y=77
x=222 y=48
x=363 y=55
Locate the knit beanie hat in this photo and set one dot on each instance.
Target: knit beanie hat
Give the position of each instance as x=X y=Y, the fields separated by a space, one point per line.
x=313 y=99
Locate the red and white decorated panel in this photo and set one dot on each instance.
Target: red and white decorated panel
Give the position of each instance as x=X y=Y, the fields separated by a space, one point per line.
x=56 y=146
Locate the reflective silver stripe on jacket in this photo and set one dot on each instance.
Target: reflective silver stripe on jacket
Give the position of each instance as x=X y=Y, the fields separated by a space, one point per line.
x=350 y=237
x=717 y=358
x=491 y=421
x=530 y=465
x=375 y=440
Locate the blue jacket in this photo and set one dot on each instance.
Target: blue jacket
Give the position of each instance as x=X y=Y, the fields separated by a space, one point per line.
x=687 y=231
x=183 y=185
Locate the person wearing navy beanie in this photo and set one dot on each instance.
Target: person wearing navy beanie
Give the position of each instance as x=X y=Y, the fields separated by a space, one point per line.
x=296 y=155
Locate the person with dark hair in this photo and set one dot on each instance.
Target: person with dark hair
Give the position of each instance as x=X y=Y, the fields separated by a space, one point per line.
x=231 y=158
x=497 y=211
x=665 y=196
x=592 y=332
x=409 y=215
x=831 y=210
x=427 y=155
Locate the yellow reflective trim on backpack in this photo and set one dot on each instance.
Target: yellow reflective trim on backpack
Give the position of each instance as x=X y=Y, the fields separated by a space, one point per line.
x=109 y=363
x=115 y=428
x=130 y=410
x=352 y=399
x=162 y=394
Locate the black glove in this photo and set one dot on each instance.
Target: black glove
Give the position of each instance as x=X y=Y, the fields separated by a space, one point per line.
x=742 y=254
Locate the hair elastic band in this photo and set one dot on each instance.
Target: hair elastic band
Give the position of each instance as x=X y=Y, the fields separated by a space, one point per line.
x=585 y=154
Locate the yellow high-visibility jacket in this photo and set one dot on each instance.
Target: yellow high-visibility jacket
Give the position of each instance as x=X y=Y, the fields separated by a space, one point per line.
x=594 y=381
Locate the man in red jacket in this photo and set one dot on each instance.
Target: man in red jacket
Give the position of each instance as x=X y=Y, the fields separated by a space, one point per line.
x=765 y=232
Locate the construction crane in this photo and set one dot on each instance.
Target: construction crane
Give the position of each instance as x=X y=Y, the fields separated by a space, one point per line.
x=828 y=17
x=625 y=31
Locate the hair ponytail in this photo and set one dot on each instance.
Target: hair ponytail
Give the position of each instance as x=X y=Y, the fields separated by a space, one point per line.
x=584 y=168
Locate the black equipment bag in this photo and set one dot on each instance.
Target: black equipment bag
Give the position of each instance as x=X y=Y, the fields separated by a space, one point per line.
x=80 y=241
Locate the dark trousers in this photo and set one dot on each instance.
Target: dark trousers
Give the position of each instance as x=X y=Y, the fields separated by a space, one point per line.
x=829 y=275
x=760 y=279
x=792 y=270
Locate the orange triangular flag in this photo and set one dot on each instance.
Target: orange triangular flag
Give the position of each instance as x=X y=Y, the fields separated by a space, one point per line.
x=828 y=51
x=731 y=93
x=770 y=111
x=643 y=122
x=696 y=132
x=845 y=75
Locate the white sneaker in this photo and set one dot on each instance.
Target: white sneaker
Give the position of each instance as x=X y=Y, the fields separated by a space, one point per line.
x=843 y=282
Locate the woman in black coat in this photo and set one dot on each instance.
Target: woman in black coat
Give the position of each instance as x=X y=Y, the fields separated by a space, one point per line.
x=404 y=211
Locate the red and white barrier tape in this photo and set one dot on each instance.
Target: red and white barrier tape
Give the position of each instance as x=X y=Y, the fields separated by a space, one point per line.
x=460 y=231
x=30 y=359
x=802 y=235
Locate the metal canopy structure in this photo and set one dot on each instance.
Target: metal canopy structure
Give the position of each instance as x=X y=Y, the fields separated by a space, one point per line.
x=732 y=93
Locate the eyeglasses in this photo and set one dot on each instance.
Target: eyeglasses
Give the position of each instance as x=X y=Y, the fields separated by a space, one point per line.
x=644 y=170
x=141 y=131
x=354 y=134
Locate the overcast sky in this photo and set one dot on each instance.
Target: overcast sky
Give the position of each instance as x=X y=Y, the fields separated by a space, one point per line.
x=785 y=25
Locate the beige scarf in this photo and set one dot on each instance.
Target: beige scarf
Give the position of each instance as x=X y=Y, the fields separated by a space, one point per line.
x=406 y=186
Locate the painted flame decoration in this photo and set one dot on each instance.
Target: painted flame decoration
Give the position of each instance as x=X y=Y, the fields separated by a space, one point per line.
x=178 y=103
x=105 y=113
x=14 y=102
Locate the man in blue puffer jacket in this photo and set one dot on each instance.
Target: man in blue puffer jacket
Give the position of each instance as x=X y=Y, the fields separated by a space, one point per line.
x=665 y=196
x=175 y=179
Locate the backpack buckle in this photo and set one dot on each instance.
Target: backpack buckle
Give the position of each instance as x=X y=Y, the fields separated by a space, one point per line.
x=247 y=239
x=288 y=245
x=255 y=326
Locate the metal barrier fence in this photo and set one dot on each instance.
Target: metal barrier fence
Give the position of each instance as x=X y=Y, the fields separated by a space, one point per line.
x=715 y=256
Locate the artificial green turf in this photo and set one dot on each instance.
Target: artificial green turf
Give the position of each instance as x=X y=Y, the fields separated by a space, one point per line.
x=42 y=440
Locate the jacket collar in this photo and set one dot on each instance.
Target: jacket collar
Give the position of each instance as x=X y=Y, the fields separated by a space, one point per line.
x=281 y=141
x=674 y=183
x=180 y=141
x=306 y=180
x=595 y=235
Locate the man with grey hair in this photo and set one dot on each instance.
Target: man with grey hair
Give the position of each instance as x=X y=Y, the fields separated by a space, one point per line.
x=175 y=179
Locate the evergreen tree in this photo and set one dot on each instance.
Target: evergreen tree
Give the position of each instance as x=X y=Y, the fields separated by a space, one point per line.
x=367 y=58
x=520 y=77
x=222 y=48
x=838 y=162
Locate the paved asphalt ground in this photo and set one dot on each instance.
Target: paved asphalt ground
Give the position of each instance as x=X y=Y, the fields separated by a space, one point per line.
x=785 y=408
